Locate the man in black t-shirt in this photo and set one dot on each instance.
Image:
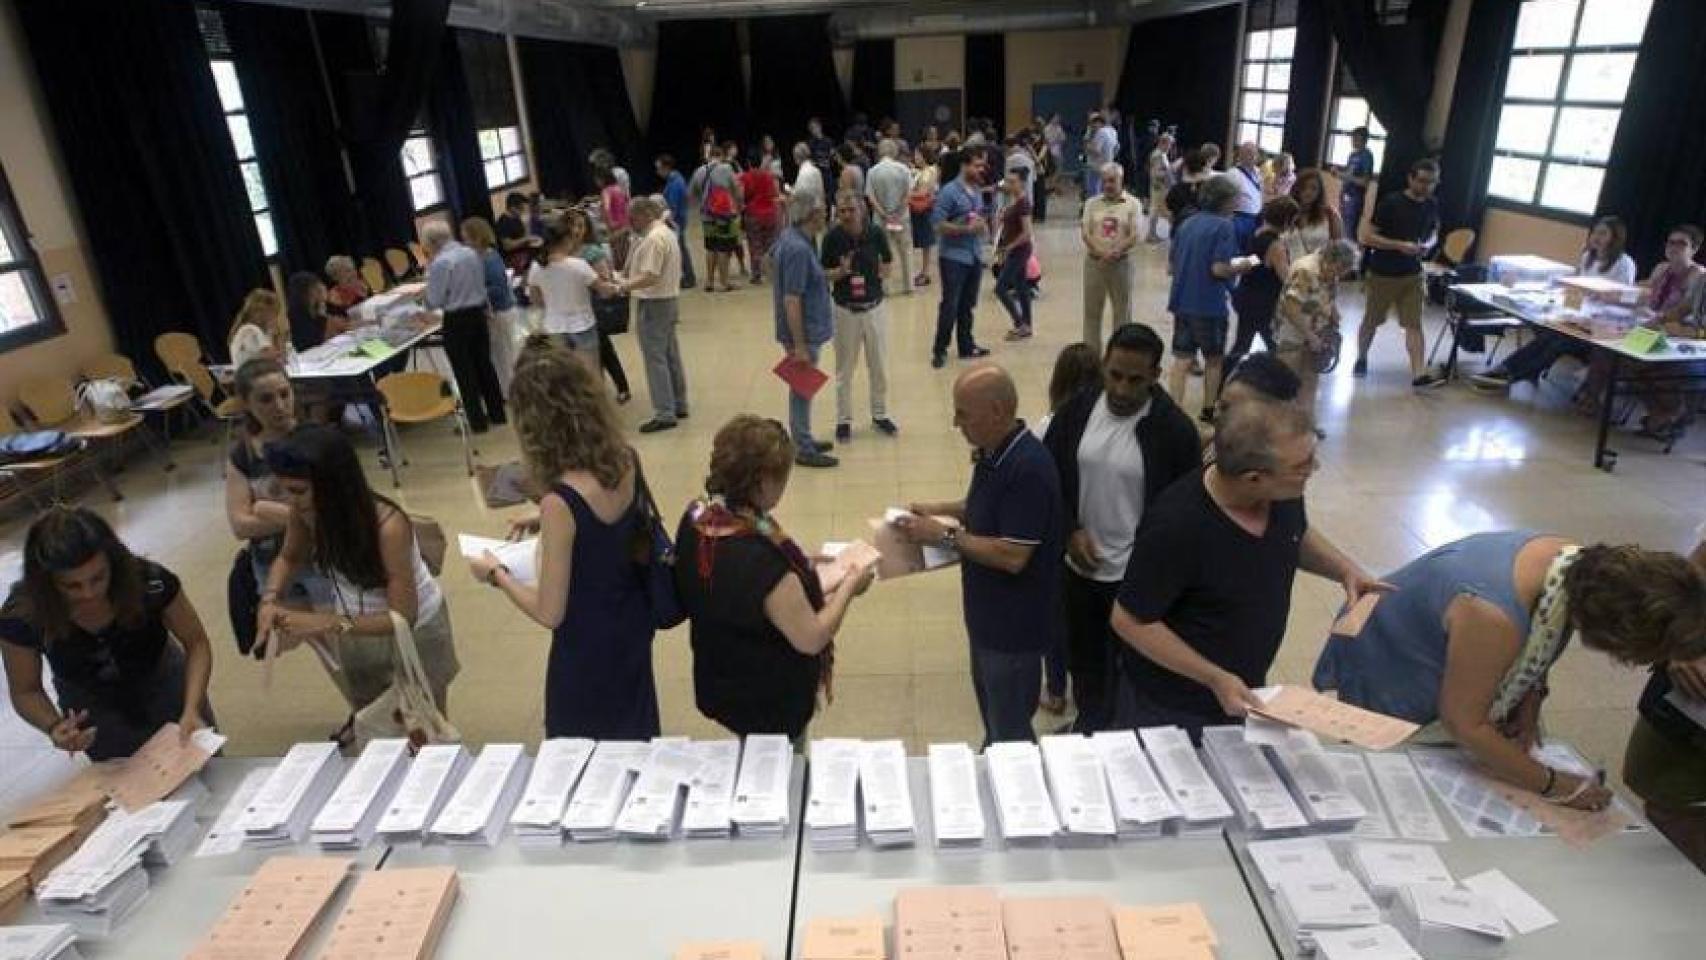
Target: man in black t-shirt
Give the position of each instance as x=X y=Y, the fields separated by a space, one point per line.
x=1403 y=228
x=1208 y=587
x=856 y=259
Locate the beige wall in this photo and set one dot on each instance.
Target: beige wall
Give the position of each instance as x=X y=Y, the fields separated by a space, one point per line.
x=930 y=63
x=1060 y=56
x=1507 y=232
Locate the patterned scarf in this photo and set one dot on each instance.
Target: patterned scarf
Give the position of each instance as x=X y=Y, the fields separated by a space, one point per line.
x=1548 y=633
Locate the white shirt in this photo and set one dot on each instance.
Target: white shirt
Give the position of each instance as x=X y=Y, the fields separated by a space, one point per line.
x=1110 y=488
x=809 y=180
x=567 y=286
x=1249 y=184
x=1622 y=270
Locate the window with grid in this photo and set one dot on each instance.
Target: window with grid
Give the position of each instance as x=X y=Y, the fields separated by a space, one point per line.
x=491 y=89
x=1569 y=70
x=237 y=124
x=1351 y=111
x=28 y=312
x=420 y=166
x=1270 y=34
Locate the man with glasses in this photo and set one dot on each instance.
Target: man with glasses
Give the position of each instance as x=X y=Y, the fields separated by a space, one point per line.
x=1207 y=592
x=1404 y=226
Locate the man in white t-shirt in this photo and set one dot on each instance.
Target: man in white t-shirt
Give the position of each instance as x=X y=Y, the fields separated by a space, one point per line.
x=887 y=187
x=809 y=179
x=1116 y=447
x=1109 y=229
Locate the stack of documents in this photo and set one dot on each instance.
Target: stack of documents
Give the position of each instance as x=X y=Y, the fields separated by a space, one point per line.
x=433 y=775
x=1142 y=806
x=653 y=805
x=948 y=923
x=1202 y=809
x=171 y=830
x=1073 y=769
x=1310 y=905
x=538 y=818
x=350 y=818
x=854 y=938
x=80 y=802
x=35 y=851
x=1378 y=942
x=832 y=806
x=272 y=915
x=224 y=838
x=1387 y=867
x=761 y=791
x=956 y=812
x=1263 y=804
x=53 y=941
x=1078 y=927
x=1441 y=921
x=1406 y=799
x=279 y=815
x=721 y=950
x=1175 y=931
x=161 y=766
x=1353 y=772
x=885 y=794
x=1315 y=784
x=597 y=801
x=14 y=891
x=98 y=914
x=101 y=884
x=396 y=914
x=711 y=792
x=1023 y=808
x=1304 y=858
x=477 y=811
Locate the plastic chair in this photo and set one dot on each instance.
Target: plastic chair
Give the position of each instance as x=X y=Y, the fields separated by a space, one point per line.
x=417 y=396
x=419 y=253
x=400 y=263
x=52 y=405
x=25 y=476
x=373 y=273
x=112 y=366
x=181 y=355
x=176 y=350
x=1456 y=246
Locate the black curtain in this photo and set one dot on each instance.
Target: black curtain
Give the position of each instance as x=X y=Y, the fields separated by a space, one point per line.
x=1653 y=181
x=609 y=88
x=986 y=77
x=150 y=160
x=1466 y=160
x=563 y=114
x=1181 y=70
x=1311 y=80
x=698 y=84
x=295 y=131
x=793 y=76
x=873 y=79
x=455 y=136
x=1393 y=64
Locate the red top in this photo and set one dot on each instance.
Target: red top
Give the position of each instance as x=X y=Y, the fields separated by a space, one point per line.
x=759 y=185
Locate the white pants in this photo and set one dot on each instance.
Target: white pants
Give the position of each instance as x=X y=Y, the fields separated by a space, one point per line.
x=868 y=331
x=504 y=326
x=900 y=248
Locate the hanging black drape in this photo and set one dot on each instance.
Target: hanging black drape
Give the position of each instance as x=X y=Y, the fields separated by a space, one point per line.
x=698 y=84
x=145 y=145
x=1466 y=159
x=1654 y=180
x=609 y=88
x=295 y=131
x=873 y=79
x=1394 y=68
x=986 y=77
x=567 y=112
x=1311 y=78
x=455 y=136
x=1181 y=70
x=793 y=76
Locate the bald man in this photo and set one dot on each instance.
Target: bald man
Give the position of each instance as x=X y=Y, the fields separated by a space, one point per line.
x=1011 y=535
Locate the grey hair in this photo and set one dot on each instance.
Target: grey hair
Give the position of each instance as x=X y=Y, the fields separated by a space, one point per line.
x=847 y=195
x=435 y=234
x=337 y=264
x=1218 y=194
x=648 y=206
x=1342 y=252
x=888 y=149
x=801 y=152
x=1112 y=169
x=1246 y=433
x=801 y=205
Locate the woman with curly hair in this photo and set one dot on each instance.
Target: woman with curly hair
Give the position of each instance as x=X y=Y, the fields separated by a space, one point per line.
x=763 y=628
x=1469 y=631
x=590 y=593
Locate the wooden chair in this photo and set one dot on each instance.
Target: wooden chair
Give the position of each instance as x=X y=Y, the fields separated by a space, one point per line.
x=401 y=264
x=1455 y=248
x=181 y=355
x=417 y=396
x=52 y=405
x=373 y=273
x=27 y=476
x=112 y=366
x=177 y=350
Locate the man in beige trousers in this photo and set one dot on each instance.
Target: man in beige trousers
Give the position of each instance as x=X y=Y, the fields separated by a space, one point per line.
x=1109 y=228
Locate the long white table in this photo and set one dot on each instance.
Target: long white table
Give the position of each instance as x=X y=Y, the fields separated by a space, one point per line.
x=1164 y=870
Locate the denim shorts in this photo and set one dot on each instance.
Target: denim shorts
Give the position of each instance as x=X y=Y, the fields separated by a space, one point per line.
x=1193 y=333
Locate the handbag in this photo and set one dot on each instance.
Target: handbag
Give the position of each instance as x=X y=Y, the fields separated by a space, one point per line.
x=243 y=597
x=655 y=555
x=406 y=710
x=430 y=541
x=612 y=314
x=105 y=399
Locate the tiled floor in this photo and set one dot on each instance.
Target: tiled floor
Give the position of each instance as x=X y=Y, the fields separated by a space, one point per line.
x=1400 y=473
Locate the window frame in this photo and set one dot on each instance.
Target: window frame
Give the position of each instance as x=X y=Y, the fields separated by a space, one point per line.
x=254 y=158
x=1270 y=23
x=49 y=323
x=504 y=157
x=422 y=134
x=1345 y=87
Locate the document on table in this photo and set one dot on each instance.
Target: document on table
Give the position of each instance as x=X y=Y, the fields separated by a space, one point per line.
x=886 y=794
x=556 y=769
x=833 y=802
x=1078 y=927
x=1171 y=930
x=162 y=765
x=1136 y=792
x=1251 y=780
x=426 y=786
x=955 y=809
x=711 y=792
x=721 y=950
x=597 y=800
x=1377 y=942
x=1314 y=779
x=520 y=556
x=280 y=807
x=273 y=914
x=1353 y=773
x=761 y=788
x=1022 y=803
x=1524 y=913
x=948 y=923
x=1385 y=867
x=363 y=794
x=1302 y=858
x=1406 y=799
x=649 y=812
x=482 y=802
x=1080 y=789
x=854 y=938
x=1176 y=762
x=1328 y=717
x=226 y=837
x=395 y=914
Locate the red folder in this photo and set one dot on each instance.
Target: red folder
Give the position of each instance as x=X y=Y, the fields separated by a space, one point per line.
x=801 y=377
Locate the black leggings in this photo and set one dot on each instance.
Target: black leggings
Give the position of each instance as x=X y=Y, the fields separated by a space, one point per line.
x=1251 y=321
x=612 y=363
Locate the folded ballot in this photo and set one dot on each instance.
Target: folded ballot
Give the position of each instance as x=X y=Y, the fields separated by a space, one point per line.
x=432 y=777
x=1073 y=770
x=538 y=817
x=280 y=813
x=1201 y=806
x=761 y=789
x=598 y=798
x=1447 y=923
x=48 y=941
x=1385 y=868
x=654 y=804
x=832 y=804
x=1263 y=804
x=520 y=556
x=1309 y=906
x=1023 y=809
x=711 y=791
x=351 y=817
x=1142 y=807
x=476 y=813
x=956 y=811
x=885 y=794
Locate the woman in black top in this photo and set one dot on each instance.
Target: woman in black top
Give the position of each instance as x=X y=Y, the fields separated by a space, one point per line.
x=128 y=652
x=762 y=627
x=1258 y=291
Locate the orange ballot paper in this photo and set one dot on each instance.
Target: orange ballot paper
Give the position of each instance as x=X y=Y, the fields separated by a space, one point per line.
x=394 y=915
x=724 y=950
x=1176 y=931
x=271 y=918
x=857 y=938
x=1330 y=718
x=1350 y=624
x=162 y=766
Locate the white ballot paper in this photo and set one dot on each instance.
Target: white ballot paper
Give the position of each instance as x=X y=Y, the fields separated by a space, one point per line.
x=538 y=817
x=520 y=556
x=1386 y=867
x=477 y=811
x=598 y=798
x=1182 y=773
x=711 y=792
x=1442 y=921
x=1353 y=773
x=51 y=941
x=885 y=794
x=1080 y=789
x=1315 y=783
x=1309 y=907
x=1263 y=803
x=956 y=812
x=1141 y=804
x=1524 y=913
x=1377 y=942
x=1300 y=858
x=436 y=770
x=761 y=790
x=650 y=810
x=1023 y=809
x=171 y=830
x=1406 y=799
x=280 y=813
x=225 y=837
x=832 y=804
x=350 y=817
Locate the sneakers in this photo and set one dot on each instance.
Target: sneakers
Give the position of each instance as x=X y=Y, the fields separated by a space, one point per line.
x=655 y=425
x=885 y=425
x=1431 y=380
x=974 y=353
x=1360 y=370
x=1491 y=380
x=814 y=459
x=937 y=361
x=822 y=446
x=843 y=432
x=1019 y=333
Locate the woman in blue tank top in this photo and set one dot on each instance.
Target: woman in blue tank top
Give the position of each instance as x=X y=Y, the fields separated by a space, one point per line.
x=1470 y=630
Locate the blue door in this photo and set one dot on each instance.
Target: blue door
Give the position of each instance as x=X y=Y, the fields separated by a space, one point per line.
x=1073 y=102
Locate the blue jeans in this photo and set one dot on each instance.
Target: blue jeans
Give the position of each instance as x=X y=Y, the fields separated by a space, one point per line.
x=800 y=411
x=1092 y=179
x=687 y=277
x=1007 y=687
x=1537 y=356
x=1014 y=290
x=954 y=314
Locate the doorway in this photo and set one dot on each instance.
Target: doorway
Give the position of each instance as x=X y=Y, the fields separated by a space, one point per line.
x=1074 y=102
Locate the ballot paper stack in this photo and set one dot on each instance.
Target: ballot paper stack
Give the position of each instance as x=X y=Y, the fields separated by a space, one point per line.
x=35 y=851
x=224 y=838
x=171 y=829
x=396 y=914
x=1314 y=780
x=1073 y=769
x=104 y=882
x=1142 y=807
x=538 y=818
x=1078 y=927
x=51 y=941
x=476 y=813
x=274 y=912
x=14 y=892
x=956 y=812
x=1023 y=808
x=885 y=795
x=832 y=806
x=597 y=801
x=948 y=923
x=1308 y=905
x=1386 y=868
x=1202 y=809
x=711 y=791
x=350 y=818
x=1301 y=858
x=852 y=938
x=280 y=814
x=761 y=791
x=1377 y=942
x=432 y=777
x=1450 y=924
x=654 y=805
x=1263 y=804
x=1174 y=931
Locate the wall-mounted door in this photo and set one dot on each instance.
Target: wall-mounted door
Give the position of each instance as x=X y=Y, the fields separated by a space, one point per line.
x=1073 y=101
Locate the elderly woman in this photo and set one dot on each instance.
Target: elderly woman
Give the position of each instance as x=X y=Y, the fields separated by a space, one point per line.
x=763 y=627
x=1306 y=338
x=347 y=289
x=1468 y=632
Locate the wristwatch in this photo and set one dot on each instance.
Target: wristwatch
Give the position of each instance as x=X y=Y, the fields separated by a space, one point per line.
x=345 y=626
x=951 y=538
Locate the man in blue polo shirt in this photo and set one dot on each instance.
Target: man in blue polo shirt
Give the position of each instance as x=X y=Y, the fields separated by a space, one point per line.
x=675 y=197
x=1010 y=540
x=959 y=221
x=1204 y=261
x=803 y=319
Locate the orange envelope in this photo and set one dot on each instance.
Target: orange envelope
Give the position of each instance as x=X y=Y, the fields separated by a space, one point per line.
x=1079 y=928
x=272 y=916
x=1341 y=721
x=14 y=893
x=394 y=915
x=723 y=950
x=948 y=923
x=35 y=851
x=153 y=772
x=1175 y=931
x=856 y=938
x=1350 y=624
x=80 y=802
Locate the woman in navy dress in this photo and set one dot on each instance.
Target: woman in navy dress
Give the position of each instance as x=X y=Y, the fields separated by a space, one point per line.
x=589 y=590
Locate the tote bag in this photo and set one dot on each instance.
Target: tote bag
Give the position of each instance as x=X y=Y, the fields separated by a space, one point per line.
x=655 y=555
x=406 y=709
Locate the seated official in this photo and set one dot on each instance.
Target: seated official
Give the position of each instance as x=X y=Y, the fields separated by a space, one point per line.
x=1470 y=630
x=127 y=650
x=347 y=290
x=260 y=329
